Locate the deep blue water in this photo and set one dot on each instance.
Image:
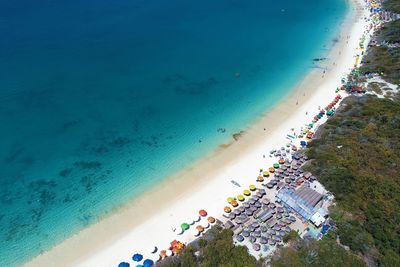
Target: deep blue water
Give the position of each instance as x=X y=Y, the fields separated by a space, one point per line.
x=100 y=99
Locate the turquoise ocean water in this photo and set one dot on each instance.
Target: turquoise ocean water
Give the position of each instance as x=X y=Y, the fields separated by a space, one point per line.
x=99 y=100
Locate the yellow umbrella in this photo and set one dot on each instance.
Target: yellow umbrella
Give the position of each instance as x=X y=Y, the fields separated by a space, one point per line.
x=240 y=197
x=265 y=174
x=246 y=192
x=230 y=199
x=252 y=187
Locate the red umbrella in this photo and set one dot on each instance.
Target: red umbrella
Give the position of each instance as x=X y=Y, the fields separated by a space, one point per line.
x=202 y=213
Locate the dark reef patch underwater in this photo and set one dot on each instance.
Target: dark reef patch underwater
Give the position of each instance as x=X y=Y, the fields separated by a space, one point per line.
x=100 y=100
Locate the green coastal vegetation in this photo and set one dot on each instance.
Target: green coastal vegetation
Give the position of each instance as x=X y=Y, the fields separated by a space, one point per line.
x=356 y=157
x=216 y=249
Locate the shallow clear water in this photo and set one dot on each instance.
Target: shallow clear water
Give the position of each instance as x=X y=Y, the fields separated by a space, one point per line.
x=99 y=100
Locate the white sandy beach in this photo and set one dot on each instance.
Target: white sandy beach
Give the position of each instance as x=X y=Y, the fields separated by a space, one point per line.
x=206 y=184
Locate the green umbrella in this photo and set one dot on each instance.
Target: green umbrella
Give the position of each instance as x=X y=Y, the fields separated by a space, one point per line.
x=185 y=226
x=276 y=165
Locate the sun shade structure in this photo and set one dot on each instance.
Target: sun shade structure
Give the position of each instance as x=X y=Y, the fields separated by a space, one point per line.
x=302 y=200
x=123 y=264
x=227 y=209
x=252 y=187
x=148 y=263
x=271 y=170
x=260 y=179
x=265 y=174
x=230 y=199
x=185 y=226
x=240 y=197
x=234 y=203
x=202 y=213
x=137 y=257
x=276 y=165
x=211 y=219
x=246 y=192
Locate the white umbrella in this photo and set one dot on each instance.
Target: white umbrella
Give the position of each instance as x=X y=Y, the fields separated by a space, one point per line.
x=197 y=218
x=205 y=224
x=169 y=253
x=179 y=231
x=190 y=221
x=196 y=232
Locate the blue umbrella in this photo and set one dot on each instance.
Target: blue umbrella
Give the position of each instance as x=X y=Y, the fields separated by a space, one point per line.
x=137 y=257
x=148 y=263
x=303 y=143
x=123 y=264
x=139 y=265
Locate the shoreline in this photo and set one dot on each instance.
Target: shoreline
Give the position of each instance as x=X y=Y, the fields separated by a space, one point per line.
x=116 y=237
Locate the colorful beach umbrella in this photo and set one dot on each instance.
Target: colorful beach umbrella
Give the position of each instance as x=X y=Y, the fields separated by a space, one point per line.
x=271 y=169
x=230 y=199
x=123 y=264
x=184 y=226
x=227 y=209
x=265 y=174
x=276 y=165
x=240 y=197
x=252 y=187
x=234 y=203
x=211 y=219
x=148 y=263
x=137 y=257
x=202 y=213
x=246 y=192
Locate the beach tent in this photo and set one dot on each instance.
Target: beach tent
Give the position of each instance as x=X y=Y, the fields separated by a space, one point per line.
x=184 y=226
x=202 y=213
x=148 y=263
x=137 y=257
x=123 y=264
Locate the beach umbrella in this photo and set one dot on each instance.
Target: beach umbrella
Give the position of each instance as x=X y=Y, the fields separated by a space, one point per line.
x=265 y=174
x=163 y=254
x=169 y=253
x=256 y=246
x=260 y=179
x=184 y=226
x=211 y=219
x=197 y=218
x=252 y=187
x=137 y=257
x=123 y=264
x=230 y=199
x=179 y=231
x=196 y=232
x=206 y=224
x=239 y=238
x=240 y=197
x=237 y=212
x=234 y=203
x=148 y=263
x=276 y=165
x=271 y=170
x=200 y=228
x=246 y=192
x=202 y=213
x=227 y=209
x=190 y=221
